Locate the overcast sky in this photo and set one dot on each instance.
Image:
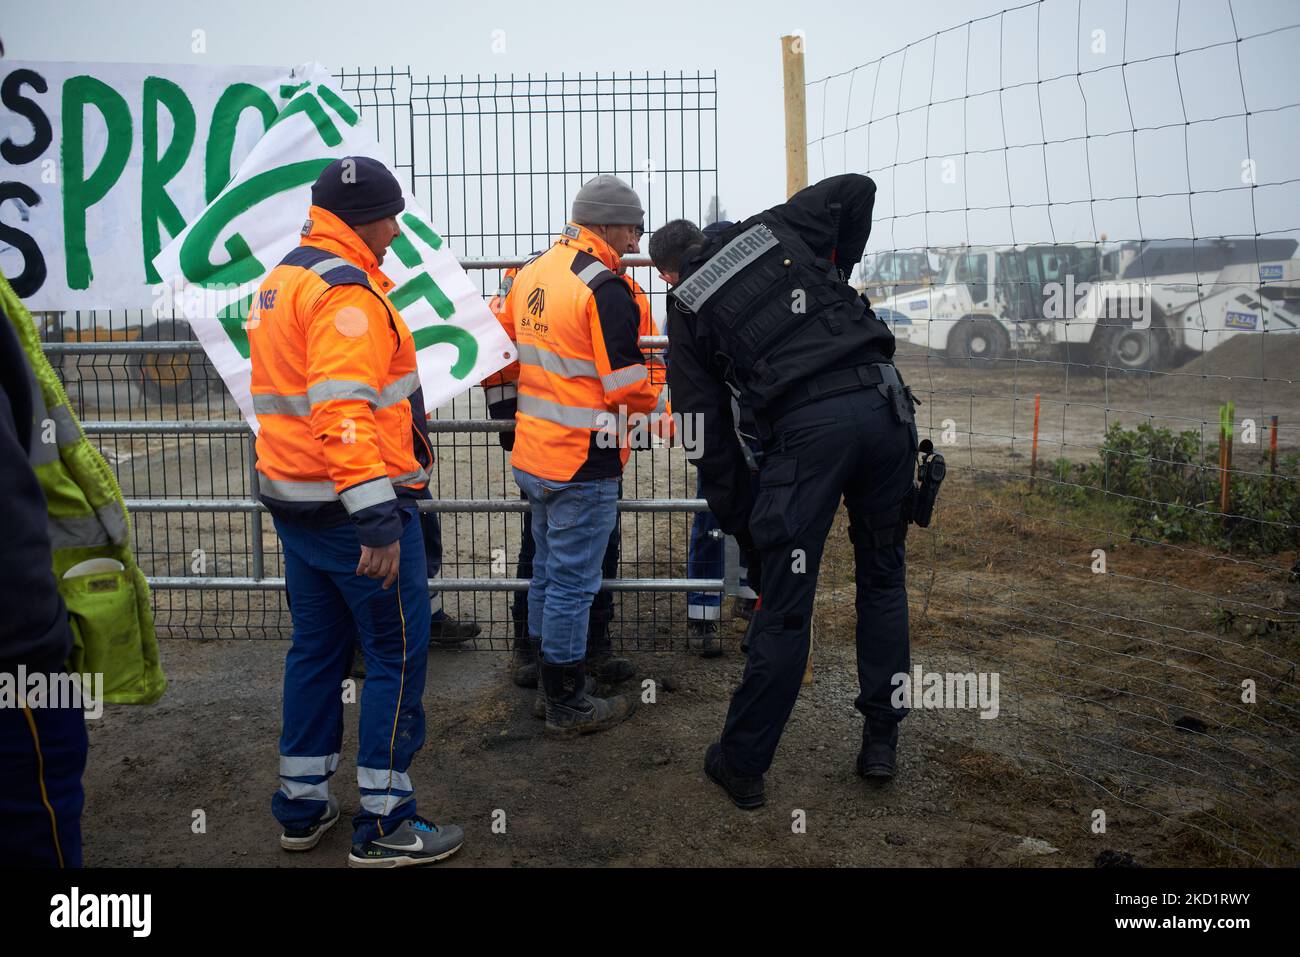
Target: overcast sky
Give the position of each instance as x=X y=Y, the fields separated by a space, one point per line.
x=741 y=42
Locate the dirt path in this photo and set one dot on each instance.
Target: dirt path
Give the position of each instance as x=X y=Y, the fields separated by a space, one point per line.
x=633 y=796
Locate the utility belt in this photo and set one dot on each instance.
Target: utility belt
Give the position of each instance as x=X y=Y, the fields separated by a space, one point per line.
x=880 y=375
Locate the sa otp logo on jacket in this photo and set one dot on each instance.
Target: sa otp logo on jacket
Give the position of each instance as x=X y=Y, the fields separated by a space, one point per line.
x=537 y=302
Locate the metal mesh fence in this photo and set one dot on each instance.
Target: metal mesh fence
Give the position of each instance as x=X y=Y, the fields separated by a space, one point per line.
x=1085 y=238
x=496 y=161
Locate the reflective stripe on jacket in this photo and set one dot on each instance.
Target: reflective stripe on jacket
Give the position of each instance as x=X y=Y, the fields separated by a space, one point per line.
x=108 y=607
x=335 y=388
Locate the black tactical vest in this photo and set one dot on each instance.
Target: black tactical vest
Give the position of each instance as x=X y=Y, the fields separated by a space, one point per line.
x=779 y=314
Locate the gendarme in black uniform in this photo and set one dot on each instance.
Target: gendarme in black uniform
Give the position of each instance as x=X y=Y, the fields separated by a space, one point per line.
x=763 y=307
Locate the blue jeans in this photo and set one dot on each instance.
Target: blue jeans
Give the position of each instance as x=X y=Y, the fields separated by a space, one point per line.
x=572 y=522
x=332 y=606
x=602 y=606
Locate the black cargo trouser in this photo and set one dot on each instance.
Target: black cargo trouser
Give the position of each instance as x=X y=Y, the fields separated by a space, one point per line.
x=851 y=446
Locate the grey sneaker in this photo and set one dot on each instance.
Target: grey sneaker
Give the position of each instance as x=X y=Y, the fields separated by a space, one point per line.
x=305 y=838
x=416 y=841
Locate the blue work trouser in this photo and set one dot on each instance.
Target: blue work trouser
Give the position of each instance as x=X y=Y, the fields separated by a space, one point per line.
x=42 y=758
x=572 y=522
x=331 y=606
x=848 y=446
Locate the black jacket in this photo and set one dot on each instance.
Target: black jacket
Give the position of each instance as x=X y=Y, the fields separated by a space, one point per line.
x=695 y=375
x=34 y=627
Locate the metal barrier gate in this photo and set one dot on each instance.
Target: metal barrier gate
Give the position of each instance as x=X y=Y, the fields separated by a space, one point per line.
x=496 y=162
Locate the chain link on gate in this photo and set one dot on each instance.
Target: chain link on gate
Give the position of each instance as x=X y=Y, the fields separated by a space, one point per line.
x=496 y=161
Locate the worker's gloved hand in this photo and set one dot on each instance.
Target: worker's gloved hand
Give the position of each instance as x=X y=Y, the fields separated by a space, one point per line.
x=502 y=410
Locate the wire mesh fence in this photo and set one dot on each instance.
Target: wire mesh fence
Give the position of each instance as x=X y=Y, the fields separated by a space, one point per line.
x=496 y=161
x=1085 y=238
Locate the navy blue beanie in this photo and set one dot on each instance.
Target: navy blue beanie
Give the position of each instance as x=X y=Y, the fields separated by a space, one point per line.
x=358 y=190
x=713 y=229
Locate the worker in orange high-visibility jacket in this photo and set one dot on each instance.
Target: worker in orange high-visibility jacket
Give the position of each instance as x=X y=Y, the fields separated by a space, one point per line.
x=581 y=376
x=342 y=453
x=500 y=391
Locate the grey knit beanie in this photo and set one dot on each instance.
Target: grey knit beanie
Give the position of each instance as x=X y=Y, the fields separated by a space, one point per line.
x=607 y=201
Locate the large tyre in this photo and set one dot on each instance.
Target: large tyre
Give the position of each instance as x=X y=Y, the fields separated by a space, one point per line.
x=982 y=339
x=1127 y=349
x=171 y=377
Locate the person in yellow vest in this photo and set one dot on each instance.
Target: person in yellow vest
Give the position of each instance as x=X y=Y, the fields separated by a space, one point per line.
x=75 y=603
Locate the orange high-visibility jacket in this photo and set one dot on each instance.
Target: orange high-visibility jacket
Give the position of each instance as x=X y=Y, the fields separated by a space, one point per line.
x=580 y=372
x=501 y=387
x=335 y=388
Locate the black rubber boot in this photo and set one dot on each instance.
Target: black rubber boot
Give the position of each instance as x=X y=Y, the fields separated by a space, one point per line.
x=878 y=759
x=745 y=792
x=539 y=699
x=601 y=662
x=523 y=663
x=570 y=710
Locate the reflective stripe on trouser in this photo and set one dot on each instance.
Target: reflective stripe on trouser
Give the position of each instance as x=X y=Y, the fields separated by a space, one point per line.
x=306 y=777
x=383 y=791
x=332 y=608
x=571 y=522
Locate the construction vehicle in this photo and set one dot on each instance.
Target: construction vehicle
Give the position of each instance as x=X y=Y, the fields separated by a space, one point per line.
x=1139 y=306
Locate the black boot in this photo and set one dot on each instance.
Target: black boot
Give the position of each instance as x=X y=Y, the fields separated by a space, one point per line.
x=704 y=638
x=450 y=631
x=570 y=710
x=602 y=663
x=878 y=759
x=539 y=699
x=523 y=663
x=745 y=792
